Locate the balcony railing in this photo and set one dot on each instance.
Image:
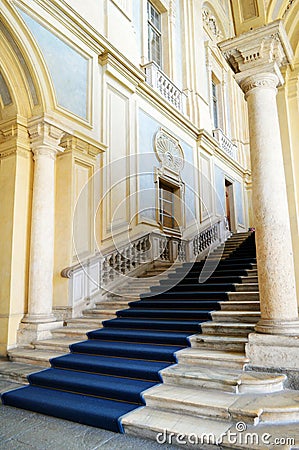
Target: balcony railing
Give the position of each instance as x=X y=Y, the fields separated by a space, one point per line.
x=160 y=82
x=225 y=143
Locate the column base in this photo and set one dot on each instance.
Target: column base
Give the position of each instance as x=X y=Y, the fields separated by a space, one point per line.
x=287 y=328
x=272 y=351
x=30 y=332
x=39 y=318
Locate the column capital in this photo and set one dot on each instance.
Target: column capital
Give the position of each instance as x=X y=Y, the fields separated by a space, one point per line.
x=260 y=51
x=264 y=80
x=45 y=137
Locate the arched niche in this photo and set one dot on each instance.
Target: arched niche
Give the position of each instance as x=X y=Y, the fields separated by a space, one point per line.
x=217 y=22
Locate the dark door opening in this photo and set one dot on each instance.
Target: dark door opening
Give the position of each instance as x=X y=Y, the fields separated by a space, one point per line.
x=228 y=202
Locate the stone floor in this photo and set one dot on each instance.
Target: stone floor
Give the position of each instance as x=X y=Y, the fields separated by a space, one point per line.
x=22 y=430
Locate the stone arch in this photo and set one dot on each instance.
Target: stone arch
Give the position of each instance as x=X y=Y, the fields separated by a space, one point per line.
x=279 y=9
x=23 y=68
x=291 y=23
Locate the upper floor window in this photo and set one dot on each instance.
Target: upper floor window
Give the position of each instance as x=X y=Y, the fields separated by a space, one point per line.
x=215 y=104
x=154 y=34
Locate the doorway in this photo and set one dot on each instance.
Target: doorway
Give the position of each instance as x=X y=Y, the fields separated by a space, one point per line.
x=229 y=204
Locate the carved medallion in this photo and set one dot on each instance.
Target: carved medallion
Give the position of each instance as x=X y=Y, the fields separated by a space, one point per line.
x=169 y=151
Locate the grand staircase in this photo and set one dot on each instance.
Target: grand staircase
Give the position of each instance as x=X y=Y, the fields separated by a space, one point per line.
x=178 y=349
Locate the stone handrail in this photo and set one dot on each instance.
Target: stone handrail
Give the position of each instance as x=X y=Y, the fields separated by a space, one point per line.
x=159 y=81
x=225 y=143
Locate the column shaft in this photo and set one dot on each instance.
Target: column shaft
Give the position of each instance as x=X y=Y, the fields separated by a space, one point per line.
x=42 y=237
x=279 y=312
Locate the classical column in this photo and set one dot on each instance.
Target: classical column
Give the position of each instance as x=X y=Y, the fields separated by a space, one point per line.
x=45 y=140
x=256 y=57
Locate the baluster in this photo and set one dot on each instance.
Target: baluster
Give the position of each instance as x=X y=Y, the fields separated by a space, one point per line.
x=143 y=250
x=133 y=255
x=105 y=277
x=128 y=257
x=123 y=264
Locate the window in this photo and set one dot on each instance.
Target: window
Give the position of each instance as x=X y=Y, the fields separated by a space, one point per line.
x=215 y=105
x=167 y=206
x=154 y=34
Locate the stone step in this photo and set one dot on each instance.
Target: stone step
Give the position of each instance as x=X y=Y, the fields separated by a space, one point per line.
x=240 y=306
x=247 y=287
x=227 y=343
x=243 y=296
x=17 y=372
x=102 y=314
x=55 y=344
x=227 y=328
x=211 y=404
x=111 y=305
x=169 y=428
x=83 y=322
x=252 y=272
x=152 y=273
x=120 y=298
x=212 y=358
x=125 y=293
x=221 y=253
x=35 y=357
x=75 y=333
x=227 y=380
x=249 y=279
x=186 y=400
x=137 y=282
x=236 y=316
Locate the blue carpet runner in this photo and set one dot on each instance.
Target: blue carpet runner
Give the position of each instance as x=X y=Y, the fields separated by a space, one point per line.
x=103 y=378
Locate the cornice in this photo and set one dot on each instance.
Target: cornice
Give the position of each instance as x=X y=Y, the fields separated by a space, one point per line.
x=111 y=64
x=14 y=138
x=79 y=145
x=259 y=48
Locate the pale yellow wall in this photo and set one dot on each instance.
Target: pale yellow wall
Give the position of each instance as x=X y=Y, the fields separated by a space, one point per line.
x=74 y=212
x=15 y=199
